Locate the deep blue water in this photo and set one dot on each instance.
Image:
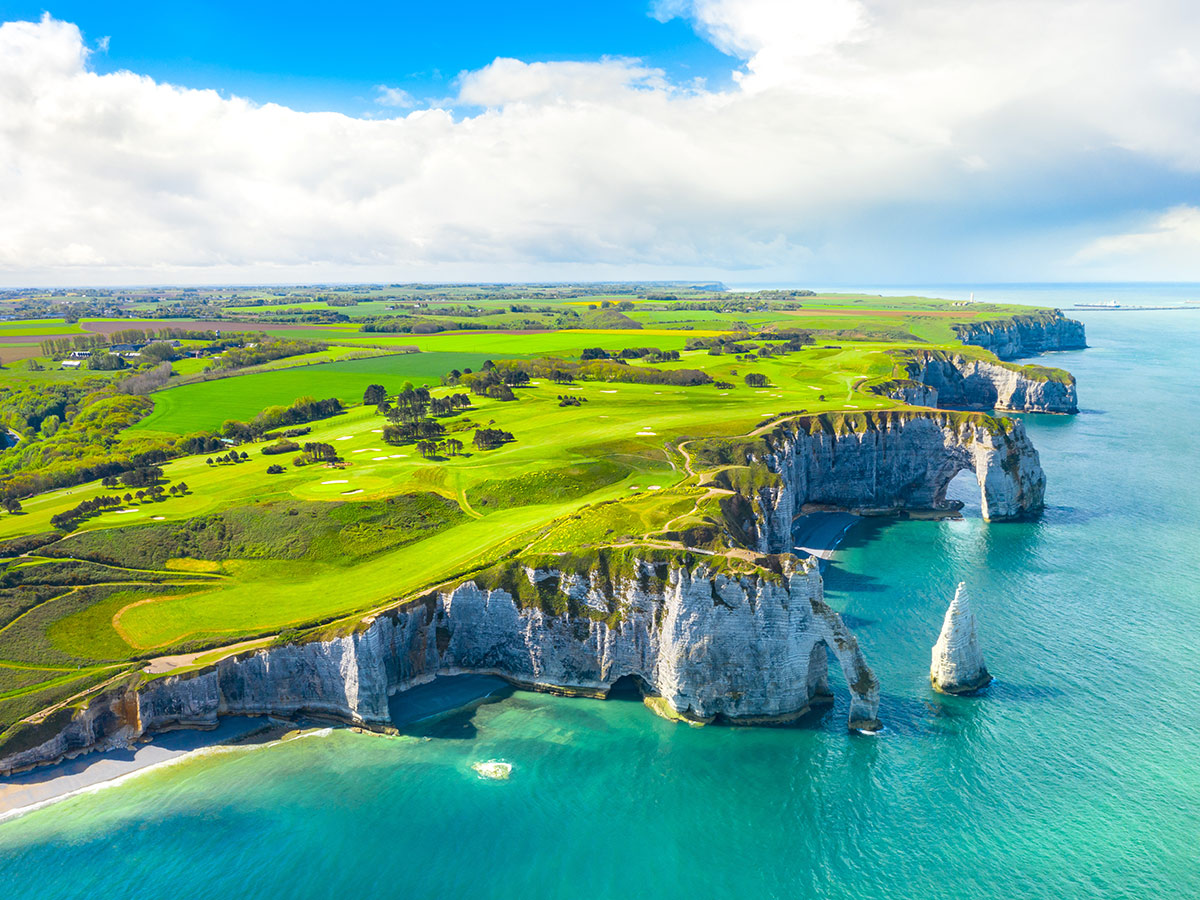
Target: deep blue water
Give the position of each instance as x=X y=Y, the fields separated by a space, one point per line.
x=1075 y=775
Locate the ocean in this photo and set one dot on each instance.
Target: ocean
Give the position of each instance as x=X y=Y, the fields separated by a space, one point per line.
x=1075 y=775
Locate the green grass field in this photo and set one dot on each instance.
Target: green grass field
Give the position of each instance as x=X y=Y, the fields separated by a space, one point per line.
x=246 y=555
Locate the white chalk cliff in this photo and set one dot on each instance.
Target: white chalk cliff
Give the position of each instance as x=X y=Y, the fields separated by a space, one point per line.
x=714 y=644
x=891 y=462
x=957 y=666
x=966 y=382
x=1025 y=335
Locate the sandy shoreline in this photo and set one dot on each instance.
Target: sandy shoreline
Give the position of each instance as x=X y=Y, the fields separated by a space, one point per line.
x=48 y=784
x=44 y=785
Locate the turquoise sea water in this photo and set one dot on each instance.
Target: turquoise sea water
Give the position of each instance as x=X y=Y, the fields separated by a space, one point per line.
x=1075 y=775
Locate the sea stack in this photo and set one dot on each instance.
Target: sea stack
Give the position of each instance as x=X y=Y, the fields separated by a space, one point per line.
x=957 y=660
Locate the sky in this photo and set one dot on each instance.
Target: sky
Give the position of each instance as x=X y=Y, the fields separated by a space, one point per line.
x=782 y=141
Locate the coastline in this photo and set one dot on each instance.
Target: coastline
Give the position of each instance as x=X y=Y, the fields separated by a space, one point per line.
x=91 y=771
x=20 y=794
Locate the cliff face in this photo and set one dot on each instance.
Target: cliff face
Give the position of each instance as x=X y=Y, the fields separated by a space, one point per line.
x=965 y=383
x=1025 y=335
x=737 y=647
x=895 y=461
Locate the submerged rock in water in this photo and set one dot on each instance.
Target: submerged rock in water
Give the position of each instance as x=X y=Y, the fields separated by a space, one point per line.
x=957 y=660
x=493 y=769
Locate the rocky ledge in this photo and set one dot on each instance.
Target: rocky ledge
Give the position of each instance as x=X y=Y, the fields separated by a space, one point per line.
x=1025 y=335
x=716 y=638
x=942 y=379
x=886 y=462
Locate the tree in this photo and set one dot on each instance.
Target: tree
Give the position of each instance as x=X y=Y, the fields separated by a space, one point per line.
x=374 y=395
x=105 y=362
x=209 y=461
x=12 y=505
x=183 y=488
x=129 y=496
x=245 y=455
x=275 y=469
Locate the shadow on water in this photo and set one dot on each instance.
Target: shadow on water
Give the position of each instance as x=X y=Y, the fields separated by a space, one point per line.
x=446 y=707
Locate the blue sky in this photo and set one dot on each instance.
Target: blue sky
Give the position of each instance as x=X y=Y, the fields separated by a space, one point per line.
x=318 y=56
x=784 y=141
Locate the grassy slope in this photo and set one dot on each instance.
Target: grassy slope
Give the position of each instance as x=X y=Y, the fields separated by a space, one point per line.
x=605 y=472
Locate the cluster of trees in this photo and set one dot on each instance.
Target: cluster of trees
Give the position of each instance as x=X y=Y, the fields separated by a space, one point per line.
x=275 y=469
x=569 y=400
x=565 y=371
x=650 y=354
x=231 y=457
x=265 y=351
x=306 y=409
x=756 y=380
x=145 y=382
x=103 y=361
x=727 y=343
x=138 y=476
x=70 y=435
x=409 y=417
x=490 y=438
x=316 y=452
x=433 y=449
x=281 y=446
x=68 y=519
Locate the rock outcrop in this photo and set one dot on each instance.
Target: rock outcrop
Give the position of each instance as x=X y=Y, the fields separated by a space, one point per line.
x=965 y=382
x=1025 y=335
x=892 y=461
x=957 y=666
x=716 y=639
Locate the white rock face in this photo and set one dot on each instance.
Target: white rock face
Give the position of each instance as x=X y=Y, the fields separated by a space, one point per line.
x=714 y=646
x=958 y=666
x=895 y=461
x=966 y=383
x=1025 y=335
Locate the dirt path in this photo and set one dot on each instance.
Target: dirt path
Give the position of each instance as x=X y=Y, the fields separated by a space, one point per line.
x=177 y=661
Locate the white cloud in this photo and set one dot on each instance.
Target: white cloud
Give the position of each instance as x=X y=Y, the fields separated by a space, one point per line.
x=394 y=97
x=861 y=140
x=1165 y=248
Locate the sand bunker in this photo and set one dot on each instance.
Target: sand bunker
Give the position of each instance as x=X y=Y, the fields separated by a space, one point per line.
x=358 y=491
x=337 y=481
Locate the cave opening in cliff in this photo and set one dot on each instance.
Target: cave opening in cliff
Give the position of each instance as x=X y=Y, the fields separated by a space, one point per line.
x=628 y=687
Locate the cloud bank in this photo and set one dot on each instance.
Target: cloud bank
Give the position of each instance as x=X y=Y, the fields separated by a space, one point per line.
x=860 y=141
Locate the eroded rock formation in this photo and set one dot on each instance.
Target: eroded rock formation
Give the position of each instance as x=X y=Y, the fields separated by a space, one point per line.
x=893 y=461
x=964 y=382
x=957 y=666
x=1025 y=335
x=713 y=642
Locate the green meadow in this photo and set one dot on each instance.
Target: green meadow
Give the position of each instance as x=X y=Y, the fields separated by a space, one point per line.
x=244 y=554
